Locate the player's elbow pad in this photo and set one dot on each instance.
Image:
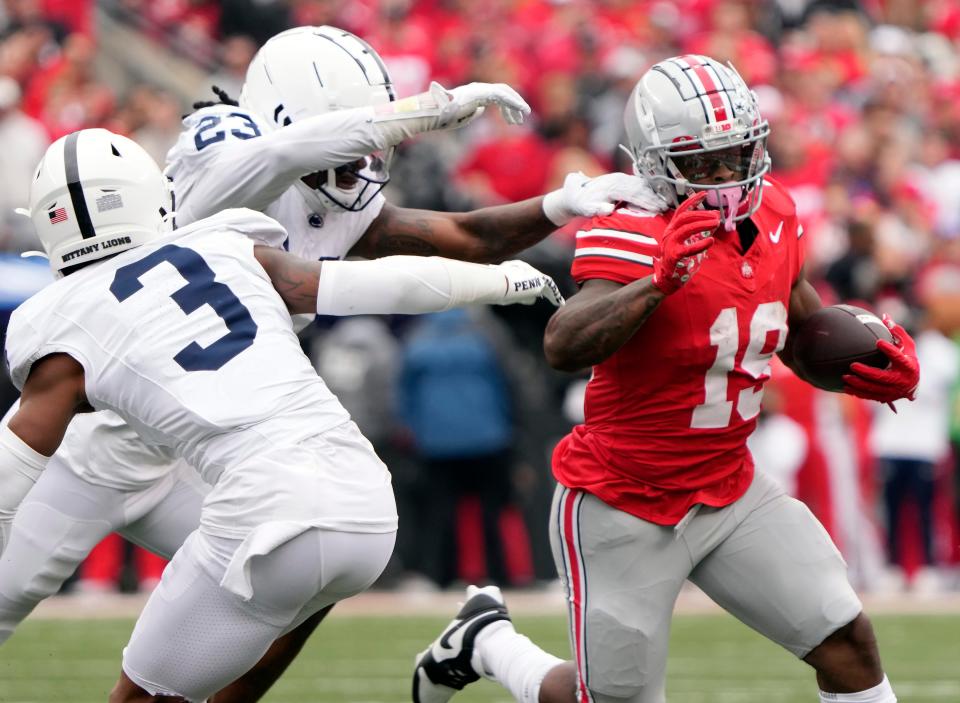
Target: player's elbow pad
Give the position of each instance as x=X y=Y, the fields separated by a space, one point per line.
x=407 y=285
x=20 y=467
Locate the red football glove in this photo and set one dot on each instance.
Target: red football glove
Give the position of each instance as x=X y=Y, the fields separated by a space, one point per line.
x=684 y=244
x=898 y=380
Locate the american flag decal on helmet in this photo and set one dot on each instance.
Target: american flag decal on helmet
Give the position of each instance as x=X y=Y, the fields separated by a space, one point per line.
x=57 y=216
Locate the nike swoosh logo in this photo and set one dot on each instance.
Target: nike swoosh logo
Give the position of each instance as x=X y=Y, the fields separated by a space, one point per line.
x=446 y=637
x=775 y=237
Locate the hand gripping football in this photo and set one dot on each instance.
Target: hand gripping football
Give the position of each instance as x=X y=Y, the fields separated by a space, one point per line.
x=833 y=338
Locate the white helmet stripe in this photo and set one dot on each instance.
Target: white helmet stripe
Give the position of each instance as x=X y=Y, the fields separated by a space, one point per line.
x=727 y=104
x=75 y=188
x=681 y=79
x=703 y=75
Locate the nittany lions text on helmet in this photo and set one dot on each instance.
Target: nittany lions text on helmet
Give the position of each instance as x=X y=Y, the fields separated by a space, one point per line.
x=688 y=117
x=308 y=71
x=96 y=194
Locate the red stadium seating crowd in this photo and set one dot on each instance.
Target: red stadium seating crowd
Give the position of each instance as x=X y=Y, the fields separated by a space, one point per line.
x=863 y=98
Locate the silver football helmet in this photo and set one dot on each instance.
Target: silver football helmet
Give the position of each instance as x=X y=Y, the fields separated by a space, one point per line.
x=692 y=125
x=308 y=71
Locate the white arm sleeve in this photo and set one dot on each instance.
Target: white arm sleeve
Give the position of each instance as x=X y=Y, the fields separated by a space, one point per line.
x=406 y=285
x=20 y=467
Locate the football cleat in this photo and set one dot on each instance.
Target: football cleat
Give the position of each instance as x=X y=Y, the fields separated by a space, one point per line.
x=445 y=667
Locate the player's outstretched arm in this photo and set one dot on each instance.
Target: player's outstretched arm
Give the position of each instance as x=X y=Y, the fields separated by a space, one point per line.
x=256 y=168
x=406 y=285
x=52 y=395
x=495 y=233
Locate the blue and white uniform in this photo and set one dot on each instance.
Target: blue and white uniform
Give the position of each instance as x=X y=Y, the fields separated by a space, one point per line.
x=104 y=477
x=187 y=341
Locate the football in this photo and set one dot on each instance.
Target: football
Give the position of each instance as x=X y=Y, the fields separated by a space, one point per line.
x=833 y=338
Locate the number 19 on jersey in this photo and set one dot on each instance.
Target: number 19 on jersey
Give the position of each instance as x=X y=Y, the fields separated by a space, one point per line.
x=716 y=410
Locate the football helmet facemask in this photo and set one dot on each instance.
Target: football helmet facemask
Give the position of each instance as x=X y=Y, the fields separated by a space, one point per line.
x=95 y=194
x=694 y=125
x=308 y=71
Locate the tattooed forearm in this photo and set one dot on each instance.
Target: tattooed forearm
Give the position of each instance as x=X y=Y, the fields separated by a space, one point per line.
x=401 y=231
x=488 y=235
x=587 y=331
x=296 y=280
x=504 y=230
x=405 y=244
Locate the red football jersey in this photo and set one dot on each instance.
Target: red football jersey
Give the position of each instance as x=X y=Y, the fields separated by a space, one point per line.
x=669 y=413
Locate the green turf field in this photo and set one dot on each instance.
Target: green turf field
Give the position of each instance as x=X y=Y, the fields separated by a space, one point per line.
x=367 y=659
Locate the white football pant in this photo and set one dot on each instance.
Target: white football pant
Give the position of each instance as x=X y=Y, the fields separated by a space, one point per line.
x=64 y=517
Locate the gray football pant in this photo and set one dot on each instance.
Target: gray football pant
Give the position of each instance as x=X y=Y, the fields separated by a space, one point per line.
x=765 y=559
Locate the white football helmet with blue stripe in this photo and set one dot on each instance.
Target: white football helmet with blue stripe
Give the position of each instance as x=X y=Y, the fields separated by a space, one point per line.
x=308 y=71
x=95 y=194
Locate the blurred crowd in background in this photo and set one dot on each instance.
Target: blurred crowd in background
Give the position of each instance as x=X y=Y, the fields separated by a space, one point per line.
x=863 y=98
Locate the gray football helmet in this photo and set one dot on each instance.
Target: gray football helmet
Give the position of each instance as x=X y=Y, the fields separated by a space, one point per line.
x=693 y=124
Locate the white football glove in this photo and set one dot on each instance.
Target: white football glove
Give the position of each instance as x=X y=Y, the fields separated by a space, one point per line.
x=526 y=284
x=461 y=105
x=587 y=197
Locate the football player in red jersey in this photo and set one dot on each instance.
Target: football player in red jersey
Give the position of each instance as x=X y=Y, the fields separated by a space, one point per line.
x=679 y=314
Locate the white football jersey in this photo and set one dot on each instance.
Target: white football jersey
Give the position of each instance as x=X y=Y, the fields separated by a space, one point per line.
x=188 y=342
x=211 y=170
x=212 y=167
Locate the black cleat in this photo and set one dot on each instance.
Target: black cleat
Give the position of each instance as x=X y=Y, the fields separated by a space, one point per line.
x=445 y=666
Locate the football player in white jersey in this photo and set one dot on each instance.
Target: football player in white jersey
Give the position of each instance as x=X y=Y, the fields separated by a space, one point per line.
x=186 y=337
x=310 y=145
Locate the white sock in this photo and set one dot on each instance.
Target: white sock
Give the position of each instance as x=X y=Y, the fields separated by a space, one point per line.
x=881 y=693
x=512 y=660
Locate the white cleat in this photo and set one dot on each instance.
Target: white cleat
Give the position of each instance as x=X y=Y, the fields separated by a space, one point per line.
x=445 y=666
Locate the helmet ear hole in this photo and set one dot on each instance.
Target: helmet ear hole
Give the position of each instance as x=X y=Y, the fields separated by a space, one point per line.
x=113 y=148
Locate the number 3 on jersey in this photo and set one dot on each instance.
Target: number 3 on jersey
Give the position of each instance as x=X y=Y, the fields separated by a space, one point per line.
x=201 y=289
x=716 y=409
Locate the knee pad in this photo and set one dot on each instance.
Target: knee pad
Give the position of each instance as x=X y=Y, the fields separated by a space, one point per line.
x=46 y=546
x=621 y=661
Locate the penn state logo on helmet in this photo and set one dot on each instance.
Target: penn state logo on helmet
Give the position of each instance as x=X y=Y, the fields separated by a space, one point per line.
x=693 y=124
x=95 y=194
x=309 y=71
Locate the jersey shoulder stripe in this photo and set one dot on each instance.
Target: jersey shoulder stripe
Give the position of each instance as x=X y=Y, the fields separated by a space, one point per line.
x=607 y=252
x=616 y=234
x=618 y=247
